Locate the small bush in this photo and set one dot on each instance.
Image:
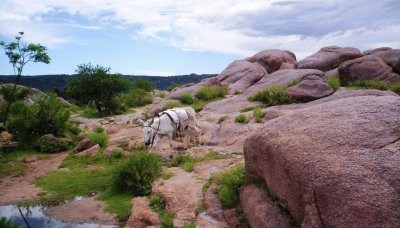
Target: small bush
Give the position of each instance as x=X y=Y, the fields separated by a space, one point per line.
x=157 y=204
x=189 y=225
x=334 y=82
x=8 y=223
x=367 y=84
x=161 y=95
x=137 y=174
x=143 y=84
x=46 y=116
x=98 y=129
x=209 y=93
x=136 y=98
x=116 y=153
x=241 y=119
x=229 y=183
x=273 y=95
x=172 y=104
x=183 y=161
x=395 y=88
x=99 y=138
x=258 y=114
x=52 y=145
x=252 y=108
x=186 y=98
x=293 y=82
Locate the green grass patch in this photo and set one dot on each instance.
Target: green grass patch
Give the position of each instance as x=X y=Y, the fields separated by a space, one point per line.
x=9 y=223
x=294 y=82
x=252 y=108
x=334 y=82
x=99 y=138
x=11 y=163
x=157 y=204
x=186 y=98
x=229 y=183
x=241 y=119
x=208 y=93
x=273 y=95
x=117 y=203
x=189 y=225
x=172 y=104
x=258 y=115
x=369 y=84
x=167 y=175
x=187 y=163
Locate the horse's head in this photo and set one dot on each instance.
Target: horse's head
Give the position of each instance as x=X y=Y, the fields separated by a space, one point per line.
x=148 y=131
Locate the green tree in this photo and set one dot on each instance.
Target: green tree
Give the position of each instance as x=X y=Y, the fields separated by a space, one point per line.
x=96 y=85
x=146 y=85
x=19 y=54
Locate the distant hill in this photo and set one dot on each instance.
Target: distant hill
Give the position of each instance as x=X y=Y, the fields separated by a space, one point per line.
x=48 y=82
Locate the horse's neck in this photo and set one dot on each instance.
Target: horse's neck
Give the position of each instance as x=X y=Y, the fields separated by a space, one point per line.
x=160 y=122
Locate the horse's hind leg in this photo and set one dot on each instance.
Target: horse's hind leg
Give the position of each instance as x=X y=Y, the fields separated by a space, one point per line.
x=197 y=130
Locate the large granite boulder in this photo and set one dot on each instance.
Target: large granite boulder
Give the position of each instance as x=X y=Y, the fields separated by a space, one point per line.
x=260 y=210
x=240 y=74
x=328 y=58
x=283 y=78
x=335 y=164
x=308 y=90
x=392 y=58
x=274 y=59
x=367 y=68
x=376 y=50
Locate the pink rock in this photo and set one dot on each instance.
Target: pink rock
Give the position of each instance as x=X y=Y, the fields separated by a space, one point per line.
x=274 y=59
x=92 y=151
x=328 y=58
x=142 y=216
x=308 y=90
x=367 y=68
x=335 y=163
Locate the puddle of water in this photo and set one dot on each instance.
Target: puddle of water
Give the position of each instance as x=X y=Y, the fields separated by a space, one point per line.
x=37 y=218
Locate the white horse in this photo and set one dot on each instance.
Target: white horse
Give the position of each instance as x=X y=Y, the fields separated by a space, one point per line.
x=163 y=125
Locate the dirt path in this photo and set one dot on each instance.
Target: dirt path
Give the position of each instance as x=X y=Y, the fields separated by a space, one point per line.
x=16 y=189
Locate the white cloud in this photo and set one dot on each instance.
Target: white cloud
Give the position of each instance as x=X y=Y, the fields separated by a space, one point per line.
x=227 y=26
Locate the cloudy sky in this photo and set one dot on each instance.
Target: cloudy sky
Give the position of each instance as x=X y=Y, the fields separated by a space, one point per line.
x=169 y=37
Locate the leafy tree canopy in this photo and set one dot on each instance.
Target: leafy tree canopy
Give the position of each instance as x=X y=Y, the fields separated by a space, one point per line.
x=96 y=85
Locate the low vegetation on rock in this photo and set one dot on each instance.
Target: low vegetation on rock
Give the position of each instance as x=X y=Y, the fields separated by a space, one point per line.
x=157 y=204
x=241 y=119
x=273 y=95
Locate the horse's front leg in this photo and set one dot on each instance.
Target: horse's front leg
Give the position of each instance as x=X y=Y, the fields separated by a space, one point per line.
x=157 y=140
x=170 y=140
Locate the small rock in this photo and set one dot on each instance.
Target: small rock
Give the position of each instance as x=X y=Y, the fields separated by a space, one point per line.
x=308 y=90
x=91 y=151
x=84 y=145
x=232 y=218
x=142 y=216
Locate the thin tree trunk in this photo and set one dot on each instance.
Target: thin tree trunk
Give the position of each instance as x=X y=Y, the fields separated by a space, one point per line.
x=5 y=115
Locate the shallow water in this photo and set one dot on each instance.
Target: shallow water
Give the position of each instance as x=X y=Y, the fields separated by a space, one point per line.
x=37 y=218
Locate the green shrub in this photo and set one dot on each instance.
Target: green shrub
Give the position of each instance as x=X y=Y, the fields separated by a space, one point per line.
x=334 y=82
x=136 y=175
x=368 y=84
x=183 y=161
x=198 y=105
x=46 y=116
x=229 y=183
x=20 y=92
x=136 y=98
x=116 y=153
x=98 y=129
x=186 y=98
x=189 y=225
x=293 y=82
x=258 y=114
x=8 y=223
x=395 y=88
x=241 y=119
x=143 y=84
x=52 y=145
x=99 y=138
x=208 y=93
x=157 y=204
x=161 y=95
x=273 y=95
x=172 y=104
x=252 y=108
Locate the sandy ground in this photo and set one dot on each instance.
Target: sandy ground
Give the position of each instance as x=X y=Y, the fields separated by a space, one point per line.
x=16 y=189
